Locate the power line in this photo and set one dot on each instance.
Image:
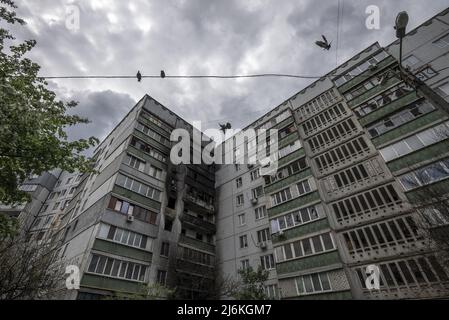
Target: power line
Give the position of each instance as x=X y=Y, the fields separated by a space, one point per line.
x=284 y=75
x=186 y=76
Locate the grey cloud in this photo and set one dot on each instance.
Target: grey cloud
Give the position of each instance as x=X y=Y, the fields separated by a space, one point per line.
x=200 y=37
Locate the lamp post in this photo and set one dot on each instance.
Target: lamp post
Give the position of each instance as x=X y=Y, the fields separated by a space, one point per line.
x=400 y=26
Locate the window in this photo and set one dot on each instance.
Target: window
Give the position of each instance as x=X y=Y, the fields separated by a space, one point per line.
x=257 y=192
x=168 y=225
x=72 y=190
x=245 y=264
x=289 y=149
x=242 y=220
x=444 y=88
x=131 y=209
x=260 y=212
x=155 y=172
x=267 y=262
x=303 y=187
x=295 y=218
x=287 y=171
x=152 y=152
x=69 y=180
x=56 y=205
x=240 y=200
x=425 y=175
x=442 y=42
x=415 y=142
x=134 y=162
x=404 y=116
x=305 y=247
x=366 y=202
x=44 y=208
x=255 y=174
x=152 y=134
x=313 y=283
x=138 y=187
x=165 y=248
x=410 y=61
x=272 y=291
x=162 y=277
x=243 y=241
x=116 y=268
x=263 y=235
x=238 y=182
x=123 y=236
x=281 y=196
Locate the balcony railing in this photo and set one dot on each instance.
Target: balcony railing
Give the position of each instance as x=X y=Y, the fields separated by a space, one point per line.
x=199 y=202
x=206 y=225
x=197 y=243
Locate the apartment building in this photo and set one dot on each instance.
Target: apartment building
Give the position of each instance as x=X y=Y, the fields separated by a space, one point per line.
x=341 y=200
x=138 y=219
x=355 y=150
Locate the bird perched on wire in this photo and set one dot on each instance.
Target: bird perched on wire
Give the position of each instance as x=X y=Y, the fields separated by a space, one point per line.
x=324 y=44
x=162 y=74
x=139 y=76
x=224 y=127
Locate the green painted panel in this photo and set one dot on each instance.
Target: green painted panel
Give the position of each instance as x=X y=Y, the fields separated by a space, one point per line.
x=297 y=154
x=408 y=127
x=366 y=74
x=373 y=92
x=341 y=295
x=288 y=139
x=308 y=262
x=433 y=190
x=303 y=230
x=136 y=197
x=99 y=282
x=419 y=156
x=278 y=185
x=389 y=108
x=121 y=250
x=293 y=204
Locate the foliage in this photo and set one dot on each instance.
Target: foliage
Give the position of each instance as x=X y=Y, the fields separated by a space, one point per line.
x=252 y=284
x=32 y=120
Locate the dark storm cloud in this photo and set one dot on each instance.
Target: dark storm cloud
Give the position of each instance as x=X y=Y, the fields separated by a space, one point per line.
x=199 y=37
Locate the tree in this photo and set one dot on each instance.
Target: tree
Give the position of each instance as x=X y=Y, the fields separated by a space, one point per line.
x=29 y=270
x=32 y=140
x=252 y=285
x=32 y=120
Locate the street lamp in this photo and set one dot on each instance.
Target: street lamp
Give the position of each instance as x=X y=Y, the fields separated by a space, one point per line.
x=400 y=26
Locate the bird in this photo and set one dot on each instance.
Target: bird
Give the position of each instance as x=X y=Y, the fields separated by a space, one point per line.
x=224 y=127
x=324 y=44
x=139 y=76
x=162 y=74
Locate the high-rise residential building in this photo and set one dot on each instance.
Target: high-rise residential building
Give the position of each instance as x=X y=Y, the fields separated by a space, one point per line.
x=139 y=219
x=356 y=151
x=341 y=201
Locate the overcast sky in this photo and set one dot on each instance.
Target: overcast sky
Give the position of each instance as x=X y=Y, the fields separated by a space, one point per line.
x=191 y=37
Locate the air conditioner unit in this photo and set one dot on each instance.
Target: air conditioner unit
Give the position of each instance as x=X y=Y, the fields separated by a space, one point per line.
x=130 y=218
x=254 y=201
x=250 y=165
x=263 y=245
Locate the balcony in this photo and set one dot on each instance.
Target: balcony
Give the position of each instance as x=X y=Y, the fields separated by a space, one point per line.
x=199 y=223
x=197 y=243
x=199 y=203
